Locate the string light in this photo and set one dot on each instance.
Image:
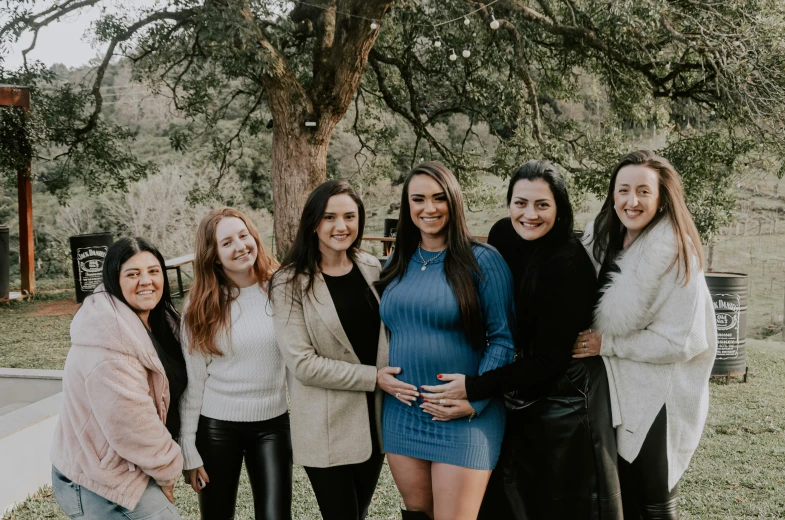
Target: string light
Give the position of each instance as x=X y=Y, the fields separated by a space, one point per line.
x=437 y=41
x=494 y=23
x=350 y=15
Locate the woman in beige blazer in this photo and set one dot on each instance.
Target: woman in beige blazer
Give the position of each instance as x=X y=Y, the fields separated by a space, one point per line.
x=333 y=342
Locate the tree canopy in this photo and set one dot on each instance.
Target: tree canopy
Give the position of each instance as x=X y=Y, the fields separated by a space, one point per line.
x=558 y=79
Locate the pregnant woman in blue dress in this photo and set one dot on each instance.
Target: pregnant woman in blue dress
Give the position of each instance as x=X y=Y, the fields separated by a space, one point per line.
x=448 y=303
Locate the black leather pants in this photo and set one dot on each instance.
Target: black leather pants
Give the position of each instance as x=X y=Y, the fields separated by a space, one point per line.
x=558 y=459
x=644 y=481
x=266 y=447
x=345 y=492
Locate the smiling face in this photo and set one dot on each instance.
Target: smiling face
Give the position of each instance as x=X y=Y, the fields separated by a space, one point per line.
x=142 y=283
x=339 y=226
x=236 y=248
x=428 y=206
x=636 y=197
x=532 y=208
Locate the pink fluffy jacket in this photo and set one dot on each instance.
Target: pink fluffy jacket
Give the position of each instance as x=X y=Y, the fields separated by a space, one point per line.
x=111 y=437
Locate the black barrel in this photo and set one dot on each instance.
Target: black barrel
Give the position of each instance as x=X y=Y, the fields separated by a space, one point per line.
x=729 y=292
x=390 y=227
x=5 y=262
x=87 y=256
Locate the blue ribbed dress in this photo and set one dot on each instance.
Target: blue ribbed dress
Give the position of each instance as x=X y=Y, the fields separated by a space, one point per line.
x=427 y=338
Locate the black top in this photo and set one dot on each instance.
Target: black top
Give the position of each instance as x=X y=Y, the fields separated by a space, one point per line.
x=175 y=371
x=552 y=306
x=358 y=311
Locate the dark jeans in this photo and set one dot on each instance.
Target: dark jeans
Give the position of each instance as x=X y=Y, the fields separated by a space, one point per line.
x=644 y=481
x=345 y=492
x=267 y=449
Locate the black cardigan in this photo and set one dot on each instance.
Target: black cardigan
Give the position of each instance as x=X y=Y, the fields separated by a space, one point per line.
x=549 y=315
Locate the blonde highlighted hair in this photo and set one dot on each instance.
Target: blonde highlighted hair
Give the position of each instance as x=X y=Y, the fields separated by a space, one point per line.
x=212 y=293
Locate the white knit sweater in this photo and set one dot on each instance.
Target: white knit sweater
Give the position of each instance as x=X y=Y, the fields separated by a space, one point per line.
x=247 y=383
x=658 y=344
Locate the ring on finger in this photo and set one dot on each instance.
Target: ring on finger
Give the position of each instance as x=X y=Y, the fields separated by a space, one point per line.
x=397 y=394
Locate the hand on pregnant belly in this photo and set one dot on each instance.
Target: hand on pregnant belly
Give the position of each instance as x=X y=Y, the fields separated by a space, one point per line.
x=454 y=388
x=404 y=392
x=447 y=409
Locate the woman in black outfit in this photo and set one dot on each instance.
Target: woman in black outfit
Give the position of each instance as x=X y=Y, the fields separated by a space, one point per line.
x=558 y=460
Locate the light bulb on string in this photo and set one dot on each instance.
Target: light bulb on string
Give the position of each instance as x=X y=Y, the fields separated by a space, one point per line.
x=437 y=42
x=374 y=25
x=453 y=56
x=466 y=20
x=466 y=52
x=494 y=23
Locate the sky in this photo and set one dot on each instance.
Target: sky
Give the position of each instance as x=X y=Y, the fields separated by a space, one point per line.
x=64 y=41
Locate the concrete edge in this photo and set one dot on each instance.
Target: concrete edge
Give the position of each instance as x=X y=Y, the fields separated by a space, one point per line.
x=29 y=415
x=28 y=373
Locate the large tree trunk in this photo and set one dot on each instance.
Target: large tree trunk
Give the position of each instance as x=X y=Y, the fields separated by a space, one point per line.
x=299 y=161
x=299 y=155
x=299 y=164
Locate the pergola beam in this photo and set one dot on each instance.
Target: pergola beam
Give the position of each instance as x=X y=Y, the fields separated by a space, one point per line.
x=19 y=96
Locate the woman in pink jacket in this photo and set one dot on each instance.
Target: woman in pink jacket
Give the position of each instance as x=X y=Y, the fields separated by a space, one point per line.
x=113 y=455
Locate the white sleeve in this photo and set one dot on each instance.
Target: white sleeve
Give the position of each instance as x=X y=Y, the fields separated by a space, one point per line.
x=191 y=402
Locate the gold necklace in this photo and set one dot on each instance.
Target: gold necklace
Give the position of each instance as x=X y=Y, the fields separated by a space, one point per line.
x=424 y=261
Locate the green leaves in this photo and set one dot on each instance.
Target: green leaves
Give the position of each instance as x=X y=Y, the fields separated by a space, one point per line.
x=52 y=137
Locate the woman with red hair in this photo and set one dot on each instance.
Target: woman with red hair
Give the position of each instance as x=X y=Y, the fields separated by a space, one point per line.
x=234 y=408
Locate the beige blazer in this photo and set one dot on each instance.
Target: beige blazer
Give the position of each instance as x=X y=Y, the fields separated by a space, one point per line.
x=327 y=383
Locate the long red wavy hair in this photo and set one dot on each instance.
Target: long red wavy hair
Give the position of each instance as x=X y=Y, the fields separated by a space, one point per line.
x=208 y=309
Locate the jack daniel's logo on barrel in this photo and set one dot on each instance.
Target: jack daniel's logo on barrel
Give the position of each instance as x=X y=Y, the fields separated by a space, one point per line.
x=90 y=262
x=727 y=312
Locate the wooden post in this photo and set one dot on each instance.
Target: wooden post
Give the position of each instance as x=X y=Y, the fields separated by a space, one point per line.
x=16 y=96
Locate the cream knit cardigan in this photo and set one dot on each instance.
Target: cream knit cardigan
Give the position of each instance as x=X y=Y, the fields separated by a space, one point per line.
x=658 y=345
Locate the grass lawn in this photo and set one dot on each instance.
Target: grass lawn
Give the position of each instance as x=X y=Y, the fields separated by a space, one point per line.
x=736 y=473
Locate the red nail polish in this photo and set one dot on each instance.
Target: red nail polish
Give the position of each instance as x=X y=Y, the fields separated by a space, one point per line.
x=439 y=376
x=425 y=400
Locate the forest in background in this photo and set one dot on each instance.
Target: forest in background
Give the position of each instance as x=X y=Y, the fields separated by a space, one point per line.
x=167 y=206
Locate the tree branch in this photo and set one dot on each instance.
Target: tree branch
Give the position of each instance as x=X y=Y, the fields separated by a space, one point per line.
x=92 y=120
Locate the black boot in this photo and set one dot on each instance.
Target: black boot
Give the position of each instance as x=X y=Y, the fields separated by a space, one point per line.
x=414 y=515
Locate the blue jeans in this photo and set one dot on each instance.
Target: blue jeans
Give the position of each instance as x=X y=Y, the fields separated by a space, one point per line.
x=79 y=502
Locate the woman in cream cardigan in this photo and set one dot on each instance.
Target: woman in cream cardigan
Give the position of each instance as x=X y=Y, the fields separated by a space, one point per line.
x=653 y=327
x=334 y=344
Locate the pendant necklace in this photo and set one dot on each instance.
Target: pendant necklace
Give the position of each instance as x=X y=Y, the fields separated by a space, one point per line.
x=424 y=261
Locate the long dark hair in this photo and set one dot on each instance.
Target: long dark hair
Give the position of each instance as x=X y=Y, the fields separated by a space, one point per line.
x=609 y=231
x=562 y=229
x=166 y=331
x=460 y=264
x=304 y=256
